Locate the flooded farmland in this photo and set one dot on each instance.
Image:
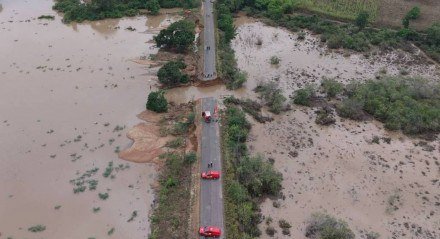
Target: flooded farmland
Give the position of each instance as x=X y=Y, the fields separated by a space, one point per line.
x=69 y=93
x=389 y=187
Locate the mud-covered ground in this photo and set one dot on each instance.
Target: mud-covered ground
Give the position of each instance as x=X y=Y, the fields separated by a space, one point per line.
x=69 y=94
x=390 y=188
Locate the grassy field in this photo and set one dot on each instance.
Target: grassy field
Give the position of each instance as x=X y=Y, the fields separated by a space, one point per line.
x=345 y=9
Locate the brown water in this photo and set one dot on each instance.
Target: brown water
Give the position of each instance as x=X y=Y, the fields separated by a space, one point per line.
x=59 y=82
x=337 y=169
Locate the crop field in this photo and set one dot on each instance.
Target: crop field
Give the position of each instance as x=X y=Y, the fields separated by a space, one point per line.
x=344 y=9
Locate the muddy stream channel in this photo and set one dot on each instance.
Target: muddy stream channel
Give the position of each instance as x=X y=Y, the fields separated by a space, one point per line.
x=70 y=93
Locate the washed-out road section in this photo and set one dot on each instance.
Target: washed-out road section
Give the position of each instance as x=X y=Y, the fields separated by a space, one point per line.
x=211 y=202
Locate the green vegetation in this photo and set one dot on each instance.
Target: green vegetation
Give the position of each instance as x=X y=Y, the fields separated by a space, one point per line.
x=413 y=14
x=49 y=17
x=111 y=231
x=323 y=226
x=108 y=170
x=133 y=216
x=274 y=60
x=249 y=106
x=409 y=104
x=401 y=103
x=77 y=10
x=362 y=20
x=156 y=102
x=228 y=69
x=37 y=228
x=80 y=182
x=324 y=116
x=304 y=96
x=247 y=178
x=179 y=3
x=175 y=143
x=331 y=87
x=285 y=226
x=178 y=36
x=103 y=196
x=272 y=95
x=170 y=74
x=173 y=199
x=190 y=157
x=96 y=209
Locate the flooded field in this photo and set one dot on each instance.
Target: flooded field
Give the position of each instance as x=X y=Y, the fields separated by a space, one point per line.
x=389 y=188
x=69 y=94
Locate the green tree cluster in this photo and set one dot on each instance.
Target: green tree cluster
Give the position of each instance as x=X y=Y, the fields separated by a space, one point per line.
x=179 y=36
x=157 y=102
x=170 y=74
x=412 y=14
x=247 y=178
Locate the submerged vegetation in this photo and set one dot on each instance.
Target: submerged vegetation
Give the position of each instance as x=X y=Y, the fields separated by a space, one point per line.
x=170 y=74
x=178 y=36
x=77 y=10
x=247 y=178
x=401 y=103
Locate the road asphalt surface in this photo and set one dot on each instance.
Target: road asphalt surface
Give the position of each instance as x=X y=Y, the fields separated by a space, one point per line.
x=211 y=192
x=209 y=70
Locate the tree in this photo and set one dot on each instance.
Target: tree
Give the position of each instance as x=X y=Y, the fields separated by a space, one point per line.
x=362 y=20
x=179 y=35
x=156 y=102
x=153 y=6
x=413 y=14
x=433 y=35
x=170 y=74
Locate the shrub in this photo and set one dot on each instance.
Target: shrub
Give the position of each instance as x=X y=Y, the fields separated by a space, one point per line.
x=284 y=224
x=258 y=177
x=362 y=20
x=413 y=14
x=350 y=108
x=103 y=196
x=175 y=143
x=179 y=35
x=37 y=228
x=409 y=104
x=331 y=87
x=304 y=96
x=301 y=36
x=156 y=102
x=272 y=96
x=49 y=17
x=270 y=230
x=170 y=74
x=323 y=226
x=190 y=157
x=274 y=60
x=153 y=6
x=324 y=116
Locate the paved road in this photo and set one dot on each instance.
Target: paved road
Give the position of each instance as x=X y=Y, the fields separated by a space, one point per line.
x=211 y=202
x=209 y=41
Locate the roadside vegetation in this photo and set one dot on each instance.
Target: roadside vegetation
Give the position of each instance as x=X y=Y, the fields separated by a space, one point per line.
x=172 y=207
x=157 y=102
x=179 y=36
x=247 y=178
x=401 y=103
x=78 y=11
x=228 y=69
x=171 y=75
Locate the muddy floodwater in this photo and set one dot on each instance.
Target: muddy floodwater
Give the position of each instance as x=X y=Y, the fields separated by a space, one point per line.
x=68 y=95
x=390 y=187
